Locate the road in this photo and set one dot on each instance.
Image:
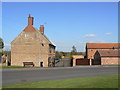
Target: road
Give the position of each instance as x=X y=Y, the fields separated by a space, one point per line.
x=13 y=76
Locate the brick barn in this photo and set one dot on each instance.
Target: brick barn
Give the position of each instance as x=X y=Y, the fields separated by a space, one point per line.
x=106 y=57
x=31 y=45
x=91 y=48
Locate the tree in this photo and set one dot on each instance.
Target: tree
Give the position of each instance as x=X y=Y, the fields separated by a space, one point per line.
x=57 y=54
x=74 y=51
x=1 y=43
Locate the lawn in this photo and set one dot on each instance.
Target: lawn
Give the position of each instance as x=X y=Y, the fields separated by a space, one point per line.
x=106 y=81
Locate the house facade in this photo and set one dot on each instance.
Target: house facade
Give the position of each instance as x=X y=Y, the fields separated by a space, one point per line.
x=31 y=45
x=91 y=48
x=106 y=57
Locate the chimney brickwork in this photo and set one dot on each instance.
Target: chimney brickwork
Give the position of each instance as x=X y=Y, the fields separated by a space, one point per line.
x=30 y=20
x=42 y=29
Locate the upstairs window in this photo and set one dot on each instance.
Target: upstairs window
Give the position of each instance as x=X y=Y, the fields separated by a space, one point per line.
x=26 y=35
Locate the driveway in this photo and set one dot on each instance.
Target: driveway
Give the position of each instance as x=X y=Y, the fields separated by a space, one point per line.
x=13 y=76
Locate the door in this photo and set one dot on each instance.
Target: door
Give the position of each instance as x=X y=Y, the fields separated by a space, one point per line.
x=41 y=64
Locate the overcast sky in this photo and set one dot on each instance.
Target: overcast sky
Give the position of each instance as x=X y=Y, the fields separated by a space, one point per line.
x=66 y=24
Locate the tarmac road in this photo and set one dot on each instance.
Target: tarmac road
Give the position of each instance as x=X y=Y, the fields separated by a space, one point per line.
x=13 y=76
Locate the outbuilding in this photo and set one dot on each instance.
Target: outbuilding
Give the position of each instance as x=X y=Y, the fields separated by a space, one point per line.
x=106 y=57
x=79 y=60
x=91 y=48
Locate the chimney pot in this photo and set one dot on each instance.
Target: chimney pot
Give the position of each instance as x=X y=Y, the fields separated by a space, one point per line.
x=30 y=20
x=29 y=15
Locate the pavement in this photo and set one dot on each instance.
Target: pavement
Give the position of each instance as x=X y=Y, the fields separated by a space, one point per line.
x=13 y=76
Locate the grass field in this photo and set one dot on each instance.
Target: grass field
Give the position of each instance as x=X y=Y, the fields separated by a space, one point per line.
x=106 y=81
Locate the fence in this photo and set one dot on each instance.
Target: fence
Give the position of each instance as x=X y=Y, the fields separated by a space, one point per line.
x=64 y=63
x=82 y=61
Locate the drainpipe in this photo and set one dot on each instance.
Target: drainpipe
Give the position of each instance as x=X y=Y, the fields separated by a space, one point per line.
x=7 y=60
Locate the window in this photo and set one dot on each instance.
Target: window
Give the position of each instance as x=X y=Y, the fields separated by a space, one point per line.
x=50 y=51
x=26 y=35
x=42 y=44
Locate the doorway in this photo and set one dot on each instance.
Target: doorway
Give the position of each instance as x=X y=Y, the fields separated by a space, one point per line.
x=41 y=64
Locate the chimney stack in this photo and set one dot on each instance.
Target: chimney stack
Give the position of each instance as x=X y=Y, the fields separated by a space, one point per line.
x=42 y=29
x=30 y=20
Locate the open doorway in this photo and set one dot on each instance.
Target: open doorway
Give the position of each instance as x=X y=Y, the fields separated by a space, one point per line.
x=41 y=64
x=49 y=61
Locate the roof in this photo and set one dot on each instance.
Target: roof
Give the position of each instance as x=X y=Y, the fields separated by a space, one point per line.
x=109 y=53
x=29 y=28
x=102 y=45
x=50 y=42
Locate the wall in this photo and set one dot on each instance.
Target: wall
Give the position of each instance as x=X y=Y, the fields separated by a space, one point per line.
x=110 y=60
x=33 y=48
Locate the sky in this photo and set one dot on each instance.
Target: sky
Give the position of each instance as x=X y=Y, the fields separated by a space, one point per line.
x=66 y=23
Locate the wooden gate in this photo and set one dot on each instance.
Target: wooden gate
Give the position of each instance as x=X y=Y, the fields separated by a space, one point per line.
x=82 y=62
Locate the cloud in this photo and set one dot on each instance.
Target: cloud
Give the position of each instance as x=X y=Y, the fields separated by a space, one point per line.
x=7 y=46
x=109 y=33
x=97 y=41
x=90 y=35
x=82 y=42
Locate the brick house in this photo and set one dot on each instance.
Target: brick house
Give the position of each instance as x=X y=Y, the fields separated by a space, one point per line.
x=31 y=45
x=91 y=48
x=106 y=57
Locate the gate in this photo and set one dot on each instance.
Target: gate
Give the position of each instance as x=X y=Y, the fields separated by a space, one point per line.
x=82 y=62
x=64 y=63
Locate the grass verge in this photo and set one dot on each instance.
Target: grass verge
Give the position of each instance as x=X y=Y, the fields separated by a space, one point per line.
x=106 y=81
x=12 y=67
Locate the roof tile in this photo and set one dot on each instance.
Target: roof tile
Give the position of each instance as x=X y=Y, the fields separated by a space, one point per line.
x=102 y=45
x=107 y=53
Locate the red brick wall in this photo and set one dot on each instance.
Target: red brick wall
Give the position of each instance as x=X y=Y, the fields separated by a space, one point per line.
x=110 y=60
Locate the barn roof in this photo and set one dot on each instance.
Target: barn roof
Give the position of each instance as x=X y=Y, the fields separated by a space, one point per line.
x=109 y=53
x=102 y=45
